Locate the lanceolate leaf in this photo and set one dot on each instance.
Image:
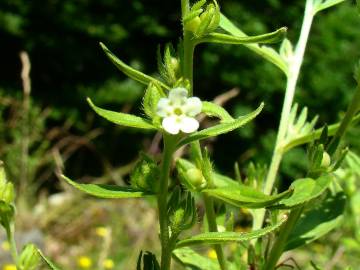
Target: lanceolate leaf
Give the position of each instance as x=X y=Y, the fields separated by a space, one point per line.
x=122 y=119
x=47 y=261
x=324 y=4
x=225 y=237
x=189 y=257
x=221 y=128
x=107 y=191
x=129 y=71
x=212 y=109
x=244 y=196
x=305 y=189
x=266 y=52
x=318 y=221
x=272 y=37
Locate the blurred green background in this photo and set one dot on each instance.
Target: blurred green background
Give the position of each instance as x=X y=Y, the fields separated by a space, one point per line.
x=67 y=65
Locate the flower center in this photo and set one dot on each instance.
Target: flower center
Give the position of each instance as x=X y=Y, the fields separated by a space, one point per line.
x=178 y=111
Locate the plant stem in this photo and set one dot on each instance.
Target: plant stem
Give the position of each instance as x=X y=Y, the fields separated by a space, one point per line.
x=211 y=218
x=162 y=203
x=294 y=69
x=11 y=239
x=281 y=240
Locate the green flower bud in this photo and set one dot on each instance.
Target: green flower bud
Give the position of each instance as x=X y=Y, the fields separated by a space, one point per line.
x=2 y=176
x=193 y=24
x=196 y=178
x=7 y=194
x=29 y=258
x=326 y=160
x=175 y=64
x=145 y=175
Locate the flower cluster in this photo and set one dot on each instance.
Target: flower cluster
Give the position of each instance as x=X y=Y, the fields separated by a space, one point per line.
x=178 y=111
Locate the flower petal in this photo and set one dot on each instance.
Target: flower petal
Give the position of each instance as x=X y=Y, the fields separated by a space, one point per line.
x=163 y=109
x=193 y=106
x=189 y=124
x=171 y=124
x=178 y=95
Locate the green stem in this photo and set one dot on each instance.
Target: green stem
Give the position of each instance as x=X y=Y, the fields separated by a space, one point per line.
x=162 y=202
x=189 y=47
x=280 y=243
x=211 y=218
x=9 y=228
x=292 y=78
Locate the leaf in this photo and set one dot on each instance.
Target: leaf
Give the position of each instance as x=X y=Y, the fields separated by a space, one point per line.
x=266 y=52
x=129 y=71
x=212 y=109
x=151 y=98
x=321 y=5
x=107 y=191
x=244 y=196
x=303 y=139
x=272 y=37
x=47 y=261
x=189 y=257
x=305 y=189
x=318 y=221
x=210 y=238
x=122 y=119
x=221 y=128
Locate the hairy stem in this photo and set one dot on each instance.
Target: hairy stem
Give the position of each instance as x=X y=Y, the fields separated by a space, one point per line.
x=162 y=203
x=294 y=69
x=211 y=218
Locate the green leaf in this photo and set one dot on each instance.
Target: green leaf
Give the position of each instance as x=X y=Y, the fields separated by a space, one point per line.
x=129 y=71
x=266 y=52
x=244 y=196
x=305 y=189
x=188 y=257
x=212 y=109
x=221 y=128
x=324 y=4
x=303 y=139
x=47 y=261
x=272 y=37
x=122 y=119
x=107 y=191
x=318 y=221
x=151 y=98
x=210 y=238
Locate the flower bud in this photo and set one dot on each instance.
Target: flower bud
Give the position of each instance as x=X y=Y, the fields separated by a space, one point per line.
x=174 y=62
x=145 y=175
x=2 y=176
x=29 y=258
x=8 y=193
x=326 y=160
x=192 y=25
x=196 y=178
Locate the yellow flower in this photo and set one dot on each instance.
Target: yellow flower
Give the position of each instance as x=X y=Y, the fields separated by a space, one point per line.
x=5 y=246
x=212 y=254
x=101 y=231
x=9 y=267
x=84 y=262
x=108 y=264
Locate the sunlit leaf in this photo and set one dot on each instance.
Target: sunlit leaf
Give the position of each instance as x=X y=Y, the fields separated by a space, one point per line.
x=318 y=221
x=212 y=109
x=210 y=238
x=122 y=119
x=221 y=128
x=189 y=257
x=107 y=191
x=324 y=4
x=129 y=71
x=266 y=52
x=47 y=261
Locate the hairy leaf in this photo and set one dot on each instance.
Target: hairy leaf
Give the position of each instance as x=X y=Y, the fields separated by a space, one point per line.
x=210 y=238
x=272 y=37
x=212 y=109
x=129 y=71
x=189 y=257
x=266 y=52
x=122 y=119
x=244 y=196
x=107 y=191
x=221 y=128
x=318 y=221
x=305 y=189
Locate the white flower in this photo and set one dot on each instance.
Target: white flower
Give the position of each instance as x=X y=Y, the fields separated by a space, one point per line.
x=178 y=111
